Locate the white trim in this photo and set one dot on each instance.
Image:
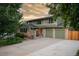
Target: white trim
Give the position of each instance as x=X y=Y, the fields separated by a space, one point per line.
x=66 y=33
x=44 y=32
x=34 y=33
x=53 y=33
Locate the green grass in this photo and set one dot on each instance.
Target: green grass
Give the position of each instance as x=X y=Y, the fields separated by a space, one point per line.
x=10 y=41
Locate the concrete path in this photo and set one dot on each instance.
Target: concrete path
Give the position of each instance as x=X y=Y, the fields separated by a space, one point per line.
x=27 y=47
x=63 y=48
x=41 y=47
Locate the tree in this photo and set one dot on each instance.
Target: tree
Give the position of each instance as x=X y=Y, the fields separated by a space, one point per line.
x=53 y=10
x=9 y=17
x=69 y=12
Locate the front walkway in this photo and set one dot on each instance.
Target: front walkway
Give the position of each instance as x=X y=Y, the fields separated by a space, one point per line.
x=41 y=46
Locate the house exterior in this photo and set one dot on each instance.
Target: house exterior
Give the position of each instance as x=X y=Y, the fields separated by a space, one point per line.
x=45 y=27
x=41 y=24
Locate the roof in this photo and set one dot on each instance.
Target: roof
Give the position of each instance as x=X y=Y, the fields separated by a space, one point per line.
x=25 y=25
x=39 y=18
x=53 y=25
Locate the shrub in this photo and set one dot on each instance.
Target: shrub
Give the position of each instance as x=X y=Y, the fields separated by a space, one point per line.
x=2 y=42
x=19 y=35
x=10 y=41
x=77 y=53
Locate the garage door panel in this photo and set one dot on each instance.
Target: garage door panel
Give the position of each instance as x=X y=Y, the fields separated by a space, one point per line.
x=60 y=33
x=49 y=33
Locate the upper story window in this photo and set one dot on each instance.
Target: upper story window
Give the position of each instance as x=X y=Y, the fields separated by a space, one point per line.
x=39 y=22
x=23 y=30
x=32 y=22
x=50 y=20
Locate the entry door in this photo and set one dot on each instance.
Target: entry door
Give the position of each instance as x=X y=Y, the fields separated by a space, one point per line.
x=39 y=33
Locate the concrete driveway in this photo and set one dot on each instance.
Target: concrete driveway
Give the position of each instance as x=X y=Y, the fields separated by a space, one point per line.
x=41 y=47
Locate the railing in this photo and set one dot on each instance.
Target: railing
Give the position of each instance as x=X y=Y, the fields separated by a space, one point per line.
x=49 y=25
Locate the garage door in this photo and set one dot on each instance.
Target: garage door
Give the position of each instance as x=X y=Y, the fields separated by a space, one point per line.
x=49 y=33
x=60 y=33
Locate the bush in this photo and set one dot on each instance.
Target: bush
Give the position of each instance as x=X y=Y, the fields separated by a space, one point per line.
x=19 y=35
x=10 y=41
x=77 y=53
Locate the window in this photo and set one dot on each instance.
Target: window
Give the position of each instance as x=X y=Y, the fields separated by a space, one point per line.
x=38 y=22
x=23 y=30
x=50 y=20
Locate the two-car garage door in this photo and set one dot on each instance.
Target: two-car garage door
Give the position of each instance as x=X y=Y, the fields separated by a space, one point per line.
x=58 y=33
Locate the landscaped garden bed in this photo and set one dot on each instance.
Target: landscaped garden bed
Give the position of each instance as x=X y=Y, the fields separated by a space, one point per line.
x=9 y=41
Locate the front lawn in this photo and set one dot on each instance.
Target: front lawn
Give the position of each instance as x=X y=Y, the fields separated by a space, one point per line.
x=10 y=41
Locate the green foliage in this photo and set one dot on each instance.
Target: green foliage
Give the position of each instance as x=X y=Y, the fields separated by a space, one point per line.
x=10 y=41
x=9 y=17
x=77 y=53
x=67 y=11
x=20 y=35
x=53 y=10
